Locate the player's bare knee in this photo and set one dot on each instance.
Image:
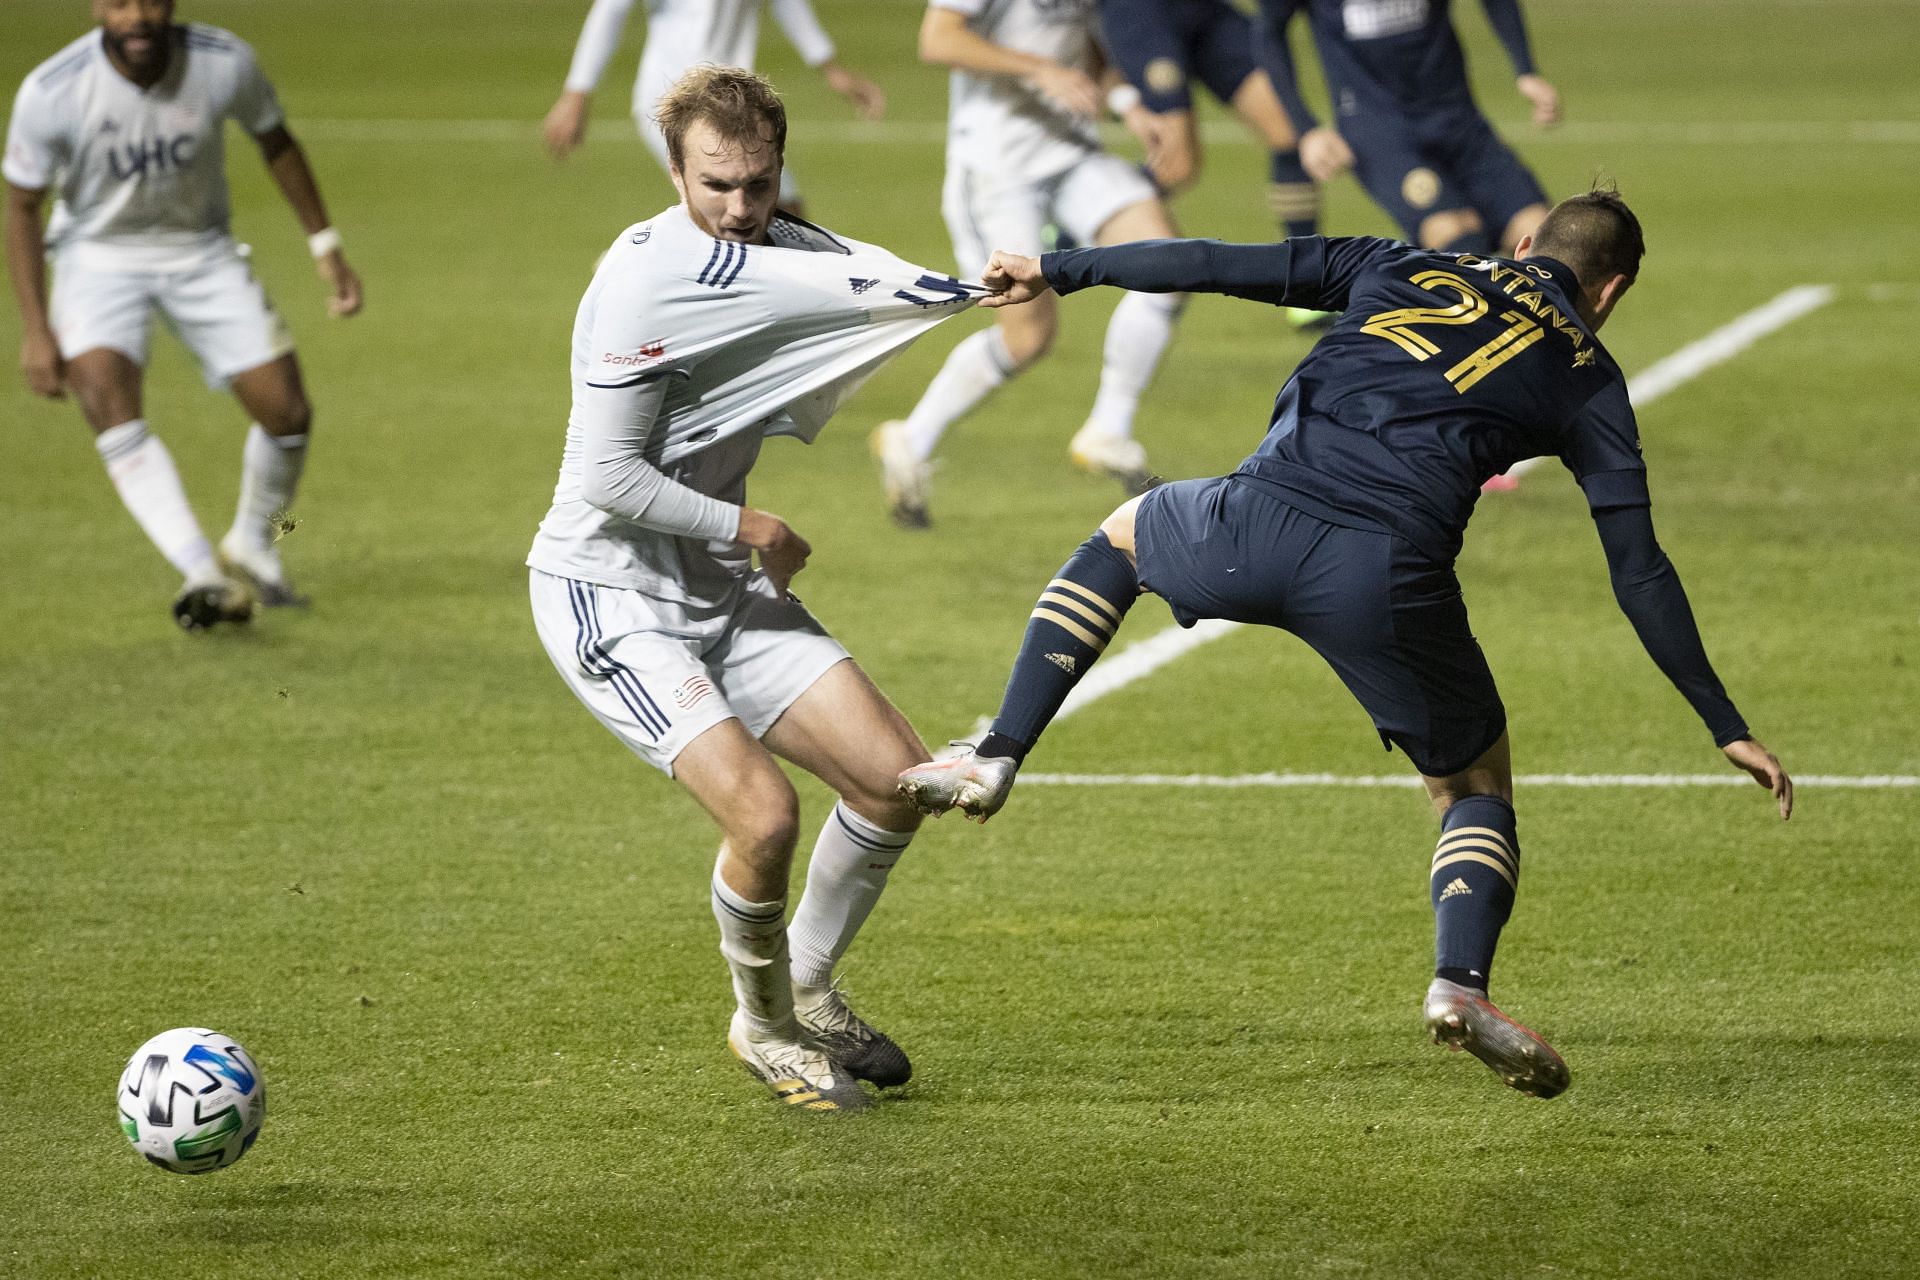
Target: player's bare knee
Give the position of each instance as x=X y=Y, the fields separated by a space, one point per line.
x=763 y=834
x=1029 y=342
x=1119 y=527
x=1438 y=230
x=294 y=417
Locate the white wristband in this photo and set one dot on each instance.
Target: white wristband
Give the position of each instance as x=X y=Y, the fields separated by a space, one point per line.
x=323 y=242
x=1122 y=98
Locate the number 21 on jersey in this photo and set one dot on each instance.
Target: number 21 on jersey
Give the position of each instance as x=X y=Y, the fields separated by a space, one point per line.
x=1402 y=328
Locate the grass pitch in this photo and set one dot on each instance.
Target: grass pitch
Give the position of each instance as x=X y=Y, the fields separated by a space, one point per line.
x=1158 y=1032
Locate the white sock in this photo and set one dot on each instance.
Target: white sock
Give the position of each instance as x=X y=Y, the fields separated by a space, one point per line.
x=1137 y=337
x=753 y=938
x=851 y=862
x=270 y=468
x=149 y=484
x=974 y=370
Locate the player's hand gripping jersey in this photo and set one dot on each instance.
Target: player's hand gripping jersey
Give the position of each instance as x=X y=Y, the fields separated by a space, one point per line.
x=1443 y=371
x=140 y=175
x=689 y=351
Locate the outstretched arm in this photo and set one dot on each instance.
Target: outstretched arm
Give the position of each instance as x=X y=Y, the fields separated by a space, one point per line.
x=288 y=165
x=1311 y=271
x=1649 y=592
x=566 y=122
x=1504 y=16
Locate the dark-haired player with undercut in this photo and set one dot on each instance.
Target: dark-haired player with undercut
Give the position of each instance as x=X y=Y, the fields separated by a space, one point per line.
x=1343 y=527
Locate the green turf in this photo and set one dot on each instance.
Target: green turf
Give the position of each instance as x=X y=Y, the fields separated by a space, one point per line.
x=1158 y=1033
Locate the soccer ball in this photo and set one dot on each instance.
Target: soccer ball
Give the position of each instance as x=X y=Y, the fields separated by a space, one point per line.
x=191 y=1100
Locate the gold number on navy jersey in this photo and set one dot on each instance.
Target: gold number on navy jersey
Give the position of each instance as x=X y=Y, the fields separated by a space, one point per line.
x=1402 y=328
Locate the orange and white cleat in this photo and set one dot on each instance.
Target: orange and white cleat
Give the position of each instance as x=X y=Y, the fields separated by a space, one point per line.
x=976 y=785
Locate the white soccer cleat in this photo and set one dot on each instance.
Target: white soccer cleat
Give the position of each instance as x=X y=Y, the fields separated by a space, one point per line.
x=906 y=479
x=975 y=785
x=852 y=1044
x=1119 y=457
x=261 y=570
x=1463 y=1018
x=797 y=1071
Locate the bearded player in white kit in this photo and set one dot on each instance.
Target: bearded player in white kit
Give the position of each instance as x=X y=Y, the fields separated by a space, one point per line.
x=127 y=124
x=706 y=329
x=1023 y=151
x=682 y=34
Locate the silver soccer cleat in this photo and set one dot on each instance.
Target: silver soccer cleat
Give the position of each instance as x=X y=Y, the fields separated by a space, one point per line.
x=852 y=1044
x=905 y=479
x=975 y=785
x=797 y=1071
x=1462 y=1018
x=1121 y=458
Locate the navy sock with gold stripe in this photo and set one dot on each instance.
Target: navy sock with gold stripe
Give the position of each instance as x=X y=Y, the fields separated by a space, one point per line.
x=1475 y=872
x=1294 y=197
x=1072 y=622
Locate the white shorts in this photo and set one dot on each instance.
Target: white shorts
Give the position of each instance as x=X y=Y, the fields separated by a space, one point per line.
x=983 y=215
x=216 y=307
x=660 y=674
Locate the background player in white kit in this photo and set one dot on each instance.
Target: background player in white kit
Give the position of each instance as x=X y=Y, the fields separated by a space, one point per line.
x=1023 y=151
x=682 y=34
x=707 y=328
x=127 y=123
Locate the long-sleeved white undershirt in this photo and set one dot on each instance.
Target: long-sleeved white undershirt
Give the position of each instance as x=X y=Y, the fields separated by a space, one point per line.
x=615 y=476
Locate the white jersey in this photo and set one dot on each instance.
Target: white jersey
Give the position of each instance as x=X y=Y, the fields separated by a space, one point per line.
x=684 y=33
x=1003 y=128
x=140 y=175
x=754 y=341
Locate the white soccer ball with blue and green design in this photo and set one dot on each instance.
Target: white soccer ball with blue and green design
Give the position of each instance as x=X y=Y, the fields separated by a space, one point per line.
x=191 y=1100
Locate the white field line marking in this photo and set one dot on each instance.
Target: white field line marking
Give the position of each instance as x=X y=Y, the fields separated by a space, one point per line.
x=1895 y=781
x=1718 y=347
x=1216 y=132
x=1147 y=656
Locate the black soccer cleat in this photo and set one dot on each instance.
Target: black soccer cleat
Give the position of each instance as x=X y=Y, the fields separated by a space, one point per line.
x=851 y=1043
x=199 y=608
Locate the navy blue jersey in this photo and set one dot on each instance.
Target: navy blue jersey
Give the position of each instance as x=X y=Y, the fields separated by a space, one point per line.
x=1443 y=371
x=1395 y=56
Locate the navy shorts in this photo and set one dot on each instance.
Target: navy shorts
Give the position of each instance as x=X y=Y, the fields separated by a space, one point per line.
x=1160 y=45
x=1390 y=621
x=1442 y=162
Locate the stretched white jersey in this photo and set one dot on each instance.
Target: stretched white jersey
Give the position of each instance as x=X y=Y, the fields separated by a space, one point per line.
x=1000 y=127
x=140 y=175
x=684 y=33
x=753 y=341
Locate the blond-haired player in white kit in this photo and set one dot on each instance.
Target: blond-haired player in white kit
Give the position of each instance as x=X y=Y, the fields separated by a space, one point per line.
x=1023 y=151
x=685 y=33
x=127 y=125
x=706 y=329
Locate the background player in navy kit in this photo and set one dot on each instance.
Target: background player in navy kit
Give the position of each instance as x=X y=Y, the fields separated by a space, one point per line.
x=1162 y=46
x=1405 y=118
x=1344 y=524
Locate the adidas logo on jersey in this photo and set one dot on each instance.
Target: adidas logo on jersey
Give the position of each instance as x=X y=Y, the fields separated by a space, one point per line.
x=860 y=286
x=1458 y=886
x=1064 y=661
